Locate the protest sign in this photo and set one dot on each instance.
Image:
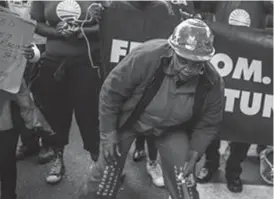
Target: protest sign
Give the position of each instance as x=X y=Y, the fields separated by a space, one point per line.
x=14 y=33
x=243 y=58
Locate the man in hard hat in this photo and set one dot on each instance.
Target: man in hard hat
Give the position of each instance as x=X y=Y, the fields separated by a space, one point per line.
x=185 y=108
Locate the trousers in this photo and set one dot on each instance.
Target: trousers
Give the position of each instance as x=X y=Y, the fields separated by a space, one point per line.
x=152 y=150
x=104 y=183
x=238 y=153
x=8 y=169
x=76 y=92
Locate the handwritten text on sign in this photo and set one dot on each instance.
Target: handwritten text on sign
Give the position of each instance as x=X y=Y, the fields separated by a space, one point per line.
x=251 y=103
x=14 y=33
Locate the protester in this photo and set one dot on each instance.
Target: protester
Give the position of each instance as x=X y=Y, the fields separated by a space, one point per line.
x=30 y=141
x=10 y=106
x=238 y=13
x=68 y=80
x=160 y=19
x=182 y=127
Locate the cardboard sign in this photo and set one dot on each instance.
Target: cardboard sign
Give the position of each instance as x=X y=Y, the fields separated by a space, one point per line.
x=14 y=33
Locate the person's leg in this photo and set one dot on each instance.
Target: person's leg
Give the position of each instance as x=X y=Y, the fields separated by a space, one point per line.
x=153 y=167
x=103 y=181
x=84 y=86
x=30 y=141
x=139 y=152
x=51 y=96
x=8 y=170
x=173 y=149
x=238 y=152
x=212 y=162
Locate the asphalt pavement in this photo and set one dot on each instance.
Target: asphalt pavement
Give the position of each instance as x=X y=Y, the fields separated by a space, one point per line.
x=137 y=184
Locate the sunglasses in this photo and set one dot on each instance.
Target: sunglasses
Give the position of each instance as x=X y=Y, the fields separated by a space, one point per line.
x=191 y=65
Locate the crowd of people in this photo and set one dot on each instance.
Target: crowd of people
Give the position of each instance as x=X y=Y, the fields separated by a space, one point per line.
x=139 y=101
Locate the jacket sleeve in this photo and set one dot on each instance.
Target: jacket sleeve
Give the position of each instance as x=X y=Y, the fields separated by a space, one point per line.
x=208 y=126
x=118 y=87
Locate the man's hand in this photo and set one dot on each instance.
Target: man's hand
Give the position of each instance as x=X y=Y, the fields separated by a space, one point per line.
x=96 y=10
x=28 y=51
x=110 y=145
x=192 y=160
x=65 y=29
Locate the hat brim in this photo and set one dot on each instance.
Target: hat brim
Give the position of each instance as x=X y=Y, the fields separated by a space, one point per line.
x=190 y=55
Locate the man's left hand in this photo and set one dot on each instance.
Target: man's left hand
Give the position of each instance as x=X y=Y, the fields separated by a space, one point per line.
x=190 y=165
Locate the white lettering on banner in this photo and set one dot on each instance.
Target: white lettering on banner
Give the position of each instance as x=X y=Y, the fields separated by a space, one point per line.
x=120 y=48
x=231 y=95
x=250 y=103
x=245 y=103
x=254 y=70
x=224 y=65
x=268 y=106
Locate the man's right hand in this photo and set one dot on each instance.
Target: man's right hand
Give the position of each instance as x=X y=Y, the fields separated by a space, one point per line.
x=110 y=143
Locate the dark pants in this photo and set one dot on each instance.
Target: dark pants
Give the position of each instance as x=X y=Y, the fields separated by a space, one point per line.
x=152 y=149
x=173 y=147
x=77 y=91
x=238 y=152
x=8 y=170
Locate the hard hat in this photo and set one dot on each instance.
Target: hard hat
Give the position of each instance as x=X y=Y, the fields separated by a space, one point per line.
x=192 y=39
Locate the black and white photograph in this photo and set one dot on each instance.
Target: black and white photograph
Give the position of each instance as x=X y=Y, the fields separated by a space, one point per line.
x=121 y=99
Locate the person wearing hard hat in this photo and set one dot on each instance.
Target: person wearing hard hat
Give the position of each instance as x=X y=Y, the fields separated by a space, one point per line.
x=166 y=89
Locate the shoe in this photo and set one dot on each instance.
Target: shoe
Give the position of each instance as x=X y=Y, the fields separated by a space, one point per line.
x=206 y=173
x=138 y=155
x=25 y=151
x=57 y=170
x=45 y=155
x=234 y=184
x=155 y=171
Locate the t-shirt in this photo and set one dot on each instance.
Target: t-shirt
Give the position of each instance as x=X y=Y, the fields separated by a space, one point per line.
x=242 y=13
x=52 y=12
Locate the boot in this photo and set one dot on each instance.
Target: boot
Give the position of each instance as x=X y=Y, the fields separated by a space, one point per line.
x=234 y=183
x=57 y=170
x=45 y=155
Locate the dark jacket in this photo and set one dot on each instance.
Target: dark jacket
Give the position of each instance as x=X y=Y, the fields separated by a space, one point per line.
x=125 y=85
